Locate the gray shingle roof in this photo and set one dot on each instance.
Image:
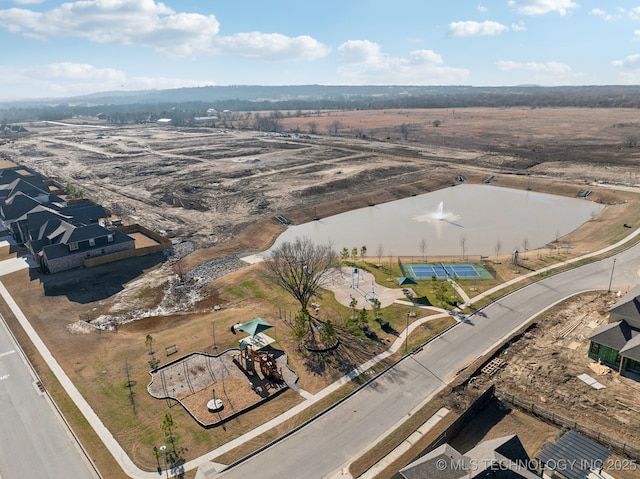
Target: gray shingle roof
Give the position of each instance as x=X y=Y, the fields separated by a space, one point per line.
x=501 y=458
x=631 y=350
x=613 y=335
x=573 y=454
x=628 y=308
x=431 y=465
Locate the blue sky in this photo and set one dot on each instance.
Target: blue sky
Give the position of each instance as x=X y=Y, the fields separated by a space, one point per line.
x=54 y=49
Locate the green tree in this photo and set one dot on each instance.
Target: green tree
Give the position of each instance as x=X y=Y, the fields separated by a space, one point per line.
x=149 y=342
x=301 y=326
x=363 y=318
x=344 y=254
x=73 y=191
x=328 y=333
x=353 y=305
x=168 y=426
x=441 y=293
x=375 y=308
x=354 y=253
x=363 y=252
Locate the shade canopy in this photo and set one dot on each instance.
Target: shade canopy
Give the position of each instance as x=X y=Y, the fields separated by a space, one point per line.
x=256 y=342
x=255 y=326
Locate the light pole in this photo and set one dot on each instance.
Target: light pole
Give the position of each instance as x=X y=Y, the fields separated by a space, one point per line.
x=163 y=449
x=155 y=452
x=406 y=335
x=611 y=278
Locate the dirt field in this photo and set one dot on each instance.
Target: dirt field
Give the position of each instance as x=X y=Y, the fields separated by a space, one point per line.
x=543 y=366
x=496 y=420
x=219 y=191
x=206 y=185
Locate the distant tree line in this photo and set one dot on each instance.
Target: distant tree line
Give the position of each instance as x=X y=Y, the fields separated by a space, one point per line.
x=184 y=106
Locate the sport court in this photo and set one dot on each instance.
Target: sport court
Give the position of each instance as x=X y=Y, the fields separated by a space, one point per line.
x=444 y=271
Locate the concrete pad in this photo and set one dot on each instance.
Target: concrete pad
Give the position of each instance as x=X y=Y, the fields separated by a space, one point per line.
x=345 y=284
x=14 y=264
x=209 y=469
x=253 y=259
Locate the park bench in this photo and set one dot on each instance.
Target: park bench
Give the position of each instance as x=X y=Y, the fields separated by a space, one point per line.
x=171 y=349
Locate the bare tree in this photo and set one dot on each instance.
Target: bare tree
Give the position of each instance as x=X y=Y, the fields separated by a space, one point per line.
x=498 y=249
x=313 y=127
x=406 y=129
x=423 y=249
x=380 y=252
x=149 y=340
x=181 y=269
x=525 y=244
x=300 y=267
x=463 y=245
x=334 y=126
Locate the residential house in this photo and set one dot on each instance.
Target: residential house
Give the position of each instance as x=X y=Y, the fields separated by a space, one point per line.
x=59 y=245
x=17 y=206
x=60 y=235
x=617 y=343
x=502 y=458
x=572 y=456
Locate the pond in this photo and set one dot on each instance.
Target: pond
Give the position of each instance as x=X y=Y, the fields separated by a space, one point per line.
x=480 y=216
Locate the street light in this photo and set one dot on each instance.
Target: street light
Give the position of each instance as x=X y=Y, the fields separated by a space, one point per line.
x=163 y=449
x=406 y=335
x=611 y=278
x=155 y=452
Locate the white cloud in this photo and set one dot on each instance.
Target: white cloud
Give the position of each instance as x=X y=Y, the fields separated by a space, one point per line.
x=634 y=13
x=628 y=61
x=518 y=27
x=28 y=2
x=360 y=51
x=548 y=67
x=471 y=28
x=482 y=8
x=540 y=7
x=549 y=73
x=124 y=22
x=597 y=12
x=630 y=77
x=151 y=24
x=363 y=62
x=271 y=46
x=71 y=79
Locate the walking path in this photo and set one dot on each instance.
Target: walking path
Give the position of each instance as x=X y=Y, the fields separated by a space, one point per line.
x=203 y=463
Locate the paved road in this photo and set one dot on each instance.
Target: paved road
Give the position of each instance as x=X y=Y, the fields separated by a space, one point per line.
x=323 y=447
x=34 y=441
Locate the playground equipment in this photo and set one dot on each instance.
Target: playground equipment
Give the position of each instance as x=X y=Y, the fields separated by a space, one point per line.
x=264 y=361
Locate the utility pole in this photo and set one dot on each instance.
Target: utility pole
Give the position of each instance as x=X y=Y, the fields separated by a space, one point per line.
x=611 y=279
x=406 y=335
